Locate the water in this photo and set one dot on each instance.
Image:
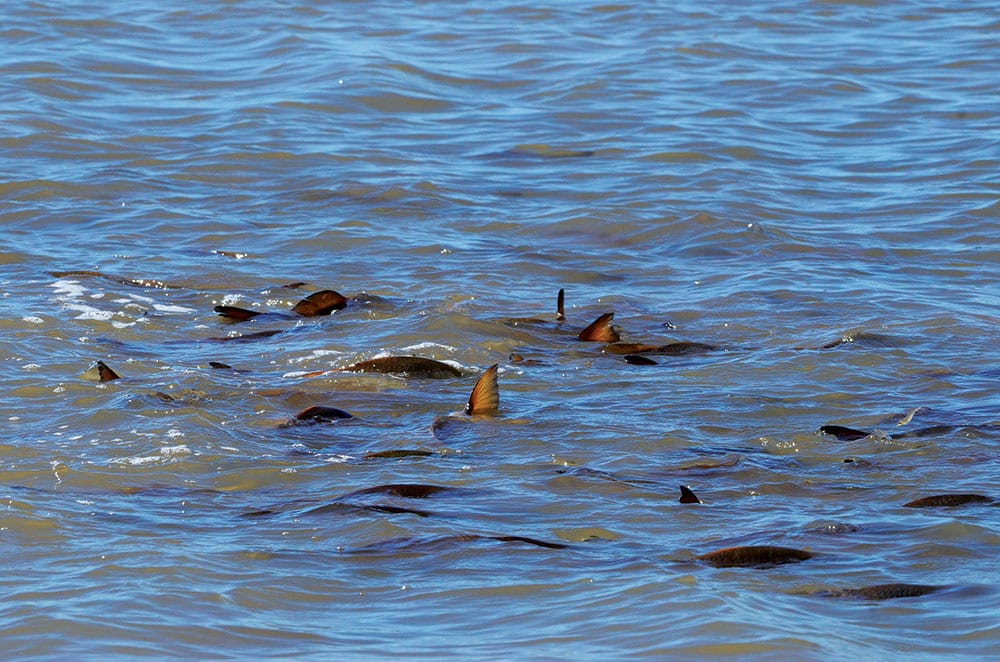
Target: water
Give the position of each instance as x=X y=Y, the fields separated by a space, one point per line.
x=767 y=179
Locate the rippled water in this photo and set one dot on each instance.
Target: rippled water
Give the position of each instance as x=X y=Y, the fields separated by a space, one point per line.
x=768 y=180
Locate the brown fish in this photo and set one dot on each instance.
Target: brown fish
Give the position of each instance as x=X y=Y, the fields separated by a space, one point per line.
x=947 y=500
x=560 y=314
x=319 y=303
x=889 y=591
x=680 y=348
x=320 y=414
x=104 y=373
x=600 y=330
x=485 y=397
x=754 y=556
x=413 y=366
x=687 y=496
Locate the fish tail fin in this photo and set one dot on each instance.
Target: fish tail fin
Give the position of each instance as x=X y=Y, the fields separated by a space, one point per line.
x=600 y=330
x=485 y=397
x=560 y=305
x=106 y=374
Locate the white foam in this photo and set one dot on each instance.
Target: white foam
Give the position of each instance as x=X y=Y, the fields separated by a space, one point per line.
x=173 y=309
x=68 y=289
x=166 y=454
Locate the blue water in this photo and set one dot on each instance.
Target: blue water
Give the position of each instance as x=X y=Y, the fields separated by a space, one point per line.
x=770 y=180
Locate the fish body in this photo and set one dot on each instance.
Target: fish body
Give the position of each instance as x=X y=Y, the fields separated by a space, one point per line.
x=316 y=304
x=754 y=556
x=413 y=366
x=947 y=500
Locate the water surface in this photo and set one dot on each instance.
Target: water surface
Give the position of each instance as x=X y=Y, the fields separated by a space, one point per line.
x=769 y=180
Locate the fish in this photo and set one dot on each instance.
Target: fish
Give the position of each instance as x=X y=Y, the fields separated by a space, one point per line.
x=560 y=313
x=317 y=414
x=131 y=282
x=396 y=545
x=320 y=303
x=403 y=490
x=413 y=366
x=687 y=496
x=345 y=502
x=947 y=500
x=247 y=337
x=316 y=304
x=378 y=508
x=338 y=507
x=887 y=591
x=483 y=401
x=485 y=397
x=843 y=433
x=104 y=373
x=850 y=434
x=600 y=330
x=519 y=359
x=754 y=556
x=396 y=453
x=680 y=348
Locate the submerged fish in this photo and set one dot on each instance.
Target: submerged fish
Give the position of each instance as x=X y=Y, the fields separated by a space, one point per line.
x=403 y=490
x=560 y=313
x=397 y=453
x=887 y=591
x=319 y=303
x=754 y=556
x=347 y=503
x=317 y=414
x=131 y=282
x=947 y=500
x=842 y=433
x=396 y=545
x=601 y=330
x=247 y=337
x=413 y=366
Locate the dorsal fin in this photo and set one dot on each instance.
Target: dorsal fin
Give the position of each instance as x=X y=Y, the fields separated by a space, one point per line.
x=687 y=496
x=235 y=314
x=323 y=302
x=600 y=330
x=485 y=398
x=842 y=433
x=560 y=310
x=106 y=374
